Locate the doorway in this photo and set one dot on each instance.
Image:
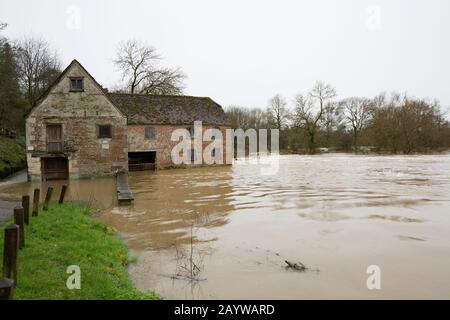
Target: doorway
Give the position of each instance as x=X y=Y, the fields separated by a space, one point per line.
x=55 y=168
x=54 y=138
x=140 y=161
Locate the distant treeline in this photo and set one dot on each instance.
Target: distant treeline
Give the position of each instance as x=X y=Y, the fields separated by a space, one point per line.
x=395 y=123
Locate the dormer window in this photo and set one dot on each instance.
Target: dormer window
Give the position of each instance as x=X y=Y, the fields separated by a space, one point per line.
x=76 y=84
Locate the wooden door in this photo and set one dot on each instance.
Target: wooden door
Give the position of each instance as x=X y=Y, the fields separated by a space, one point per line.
x=55 y=168
x=54 y=138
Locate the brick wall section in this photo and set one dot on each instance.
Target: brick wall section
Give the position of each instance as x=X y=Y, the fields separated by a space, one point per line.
x=162 y=143
x=79 y=113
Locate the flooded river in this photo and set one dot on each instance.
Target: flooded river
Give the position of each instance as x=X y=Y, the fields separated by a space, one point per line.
x=231 y=228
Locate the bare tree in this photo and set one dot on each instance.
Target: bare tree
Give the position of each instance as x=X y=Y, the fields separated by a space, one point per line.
x=278 y=111
x=357 y=113
x=332 y=120
x=39 y=65
x=279 y=115
x=139 y=64
x=310 y=109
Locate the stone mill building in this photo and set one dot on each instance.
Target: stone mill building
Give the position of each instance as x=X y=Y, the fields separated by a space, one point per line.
x=77 y=129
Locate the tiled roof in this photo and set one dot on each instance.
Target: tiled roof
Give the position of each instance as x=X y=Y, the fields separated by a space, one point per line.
x=161 y=109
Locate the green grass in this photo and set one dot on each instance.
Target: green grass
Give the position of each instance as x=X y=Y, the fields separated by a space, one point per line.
x=67 y=235
x=12 y=155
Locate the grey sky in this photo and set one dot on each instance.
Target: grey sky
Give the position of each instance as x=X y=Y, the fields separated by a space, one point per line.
x=243 y=52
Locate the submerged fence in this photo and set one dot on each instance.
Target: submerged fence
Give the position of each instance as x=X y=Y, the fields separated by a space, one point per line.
x=15 y=236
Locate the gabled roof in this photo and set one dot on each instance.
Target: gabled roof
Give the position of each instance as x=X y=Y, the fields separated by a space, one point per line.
x=154 y=109
x=164 y=109
x=58 y=79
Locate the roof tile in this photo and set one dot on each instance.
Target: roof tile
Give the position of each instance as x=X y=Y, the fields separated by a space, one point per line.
x=164 y=109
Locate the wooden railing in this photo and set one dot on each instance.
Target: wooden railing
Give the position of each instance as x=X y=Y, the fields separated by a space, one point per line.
x=56 y=146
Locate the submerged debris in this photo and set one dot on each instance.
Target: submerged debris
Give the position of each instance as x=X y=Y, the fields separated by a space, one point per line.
x=296 y=266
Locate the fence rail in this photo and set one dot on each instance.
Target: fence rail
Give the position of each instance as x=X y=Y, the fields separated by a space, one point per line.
x=15 y=239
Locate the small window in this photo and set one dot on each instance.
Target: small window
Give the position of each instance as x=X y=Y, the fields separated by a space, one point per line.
x=76 y=84
x=104 y=131
x=149 y=133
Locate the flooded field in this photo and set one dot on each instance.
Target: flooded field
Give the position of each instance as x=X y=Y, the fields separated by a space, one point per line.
x=232 y=228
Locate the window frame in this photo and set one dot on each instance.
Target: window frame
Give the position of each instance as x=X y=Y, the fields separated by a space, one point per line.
x=153 y=130
x=75 y=89
x=99 y=136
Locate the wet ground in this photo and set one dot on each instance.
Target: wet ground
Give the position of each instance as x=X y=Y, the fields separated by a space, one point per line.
x=231 y=228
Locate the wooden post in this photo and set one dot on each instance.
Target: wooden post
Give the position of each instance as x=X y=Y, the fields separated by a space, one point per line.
x=48 y=196
x=26 y=209
x=19 y=220
x=6 y=289
x=63 y=194
x=10 y=252
x=36 y=197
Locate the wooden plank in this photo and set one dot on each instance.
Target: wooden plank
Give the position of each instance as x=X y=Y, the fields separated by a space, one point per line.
x=124 y=194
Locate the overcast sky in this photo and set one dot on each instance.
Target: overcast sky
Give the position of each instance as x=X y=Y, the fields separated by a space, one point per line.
x=241 y=52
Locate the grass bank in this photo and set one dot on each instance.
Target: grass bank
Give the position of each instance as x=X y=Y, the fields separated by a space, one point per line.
x=67 y=235
x=12 y=155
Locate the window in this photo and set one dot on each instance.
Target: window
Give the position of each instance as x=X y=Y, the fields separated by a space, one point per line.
x=104 y=131
x=149 y=133
x=76 y=84
x=54 y=138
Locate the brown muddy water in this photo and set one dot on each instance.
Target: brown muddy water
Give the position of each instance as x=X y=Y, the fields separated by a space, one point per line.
x=337 y=214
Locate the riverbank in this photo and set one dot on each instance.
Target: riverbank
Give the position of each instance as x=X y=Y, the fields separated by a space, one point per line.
x=12 y=156
x=67 y=235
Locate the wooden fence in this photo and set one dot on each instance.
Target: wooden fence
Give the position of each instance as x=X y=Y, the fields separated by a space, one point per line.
x=15 y=238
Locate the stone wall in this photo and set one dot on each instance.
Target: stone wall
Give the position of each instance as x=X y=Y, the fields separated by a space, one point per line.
x=79 y=113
